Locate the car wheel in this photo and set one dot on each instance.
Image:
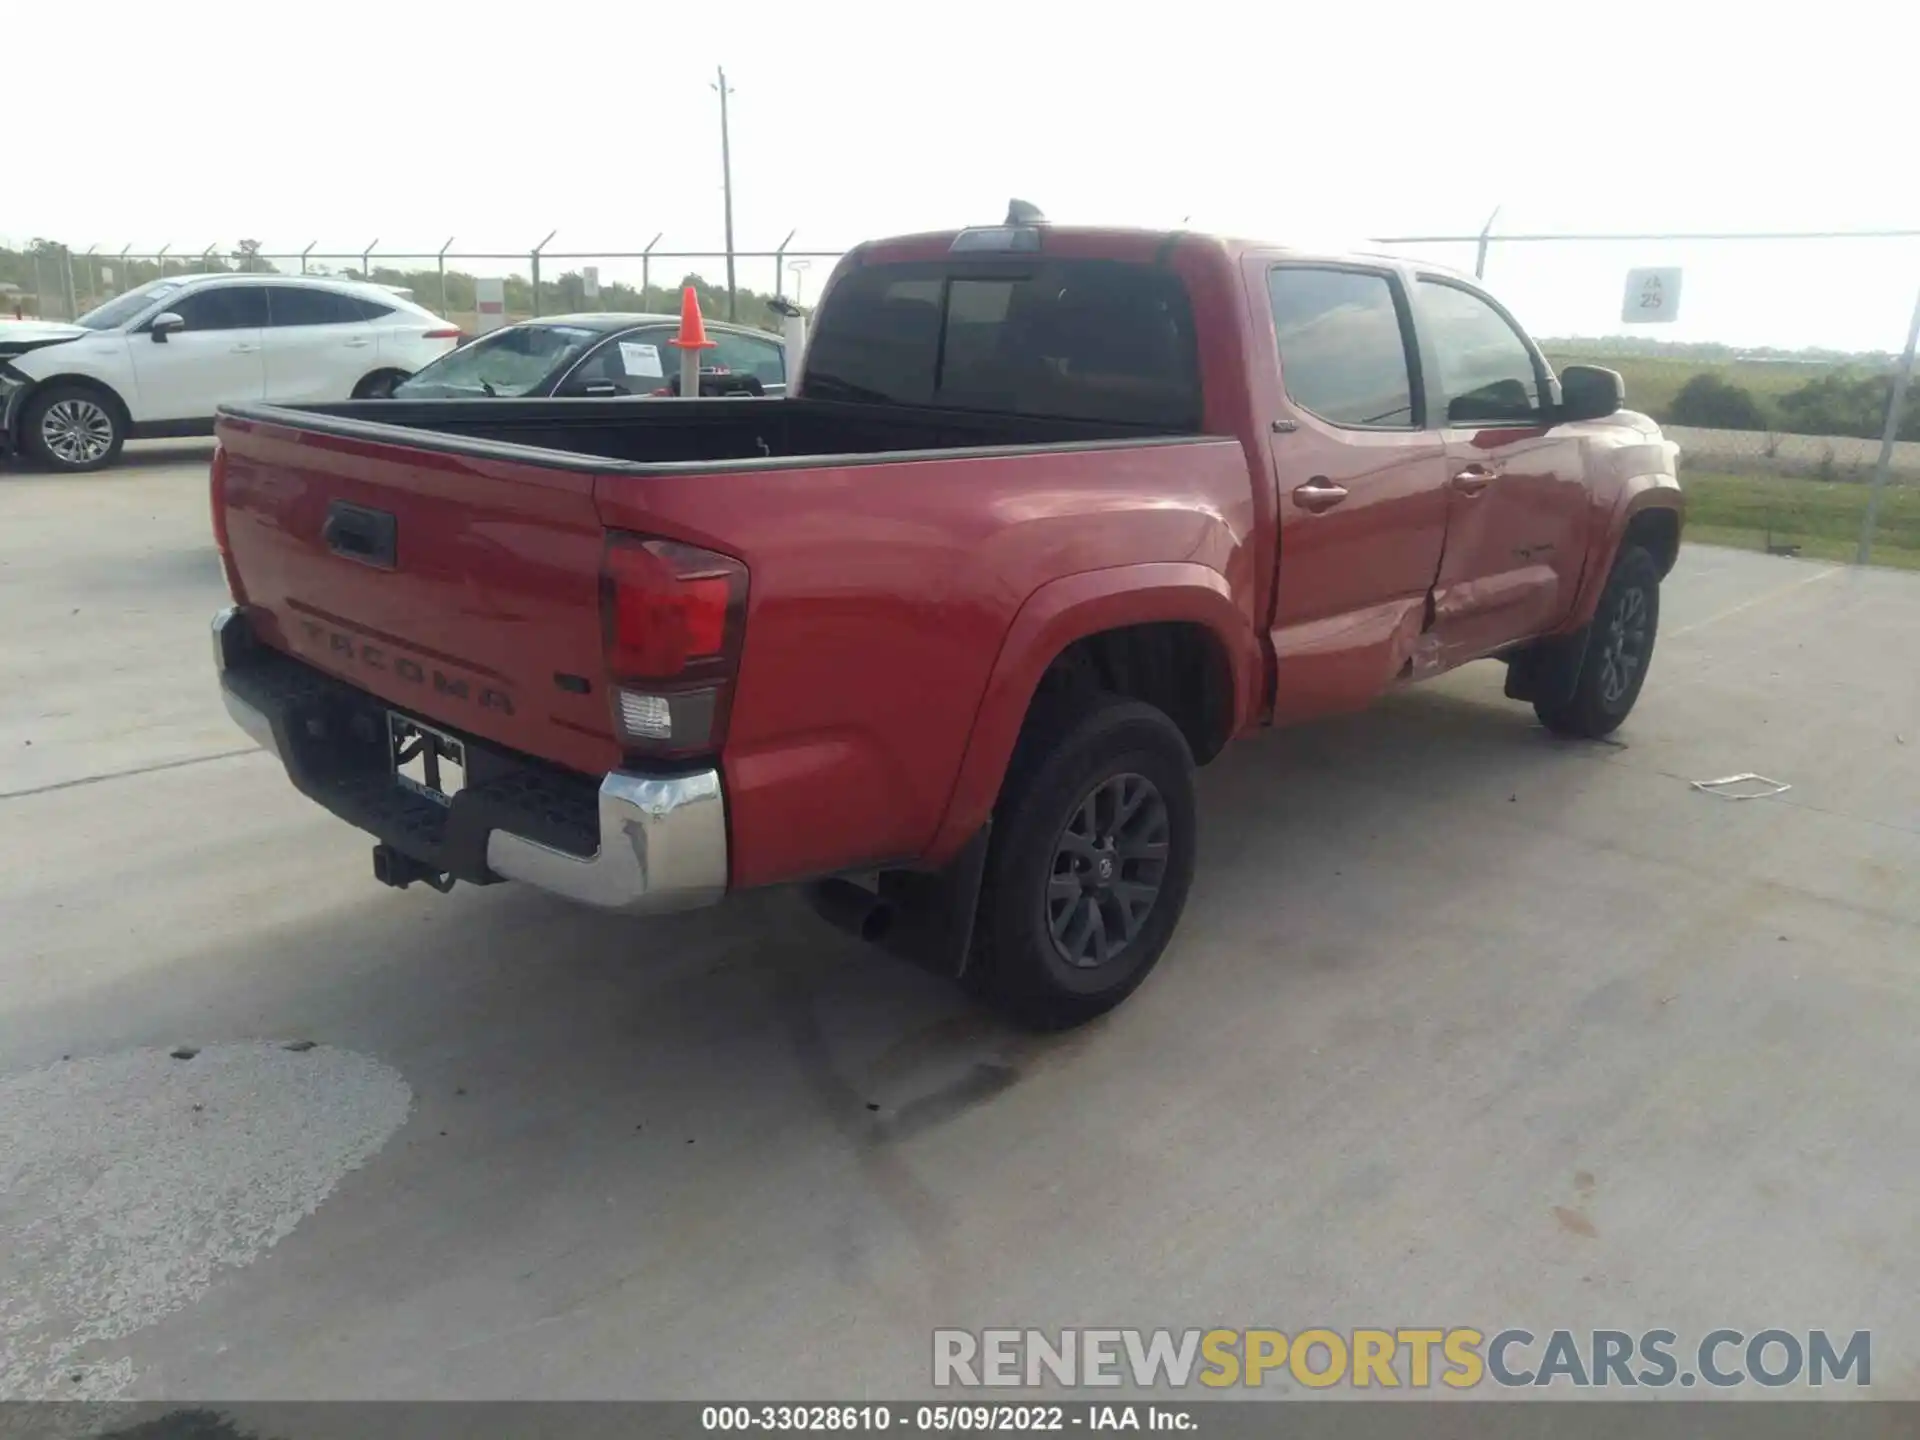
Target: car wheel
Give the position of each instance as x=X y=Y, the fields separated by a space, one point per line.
x=379 y=385
x=1619 y=650
x=73 y=428
x=1091 y=857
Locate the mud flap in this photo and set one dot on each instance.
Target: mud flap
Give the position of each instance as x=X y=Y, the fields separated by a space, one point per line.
x=933 y=914
x=1547 y=671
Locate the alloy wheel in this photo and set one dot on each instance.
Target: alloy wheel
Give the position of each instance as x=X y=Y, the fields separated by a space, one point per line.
x=1109 y=863
x=77 y=431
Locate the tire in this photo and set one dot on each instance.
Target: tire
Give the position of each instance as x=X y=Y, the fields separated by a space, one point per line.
x=1050 y=956
x=73 y=428
x=379 y=385
x=1619 y=651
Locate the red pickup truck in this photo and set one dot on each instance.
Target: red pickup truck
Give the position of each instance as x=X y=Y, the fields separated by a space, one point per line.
x=1050 y=516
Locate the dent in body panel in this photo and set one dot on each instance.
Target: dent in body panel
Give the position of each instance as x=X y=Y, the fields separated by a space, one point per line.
x=1342 y=663
x=1515 y=548
x=1629 y=470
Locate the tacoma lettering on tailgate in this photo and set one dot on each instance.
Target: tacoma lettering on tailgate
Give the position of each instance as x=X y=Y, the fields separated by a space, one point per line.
x=369 y=656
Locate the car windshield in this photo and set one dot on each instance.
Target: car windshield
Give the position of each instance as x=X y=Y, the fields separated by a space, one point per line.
x=513 y=361
x=122 y=308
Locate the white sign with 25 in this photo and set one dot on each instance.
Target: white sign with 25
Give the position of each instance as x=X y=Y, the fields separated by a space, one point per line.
x=1653 y=296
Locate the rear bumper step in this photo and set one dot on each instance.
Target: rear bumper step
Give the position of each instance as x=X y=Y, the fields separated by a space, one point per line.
x=631 y=842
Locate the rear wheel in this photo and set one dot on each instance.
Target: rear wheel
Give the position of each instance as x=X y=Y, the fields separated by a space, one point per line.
x=379 y=385
x=73 y=428
x=1619 y=650
x=1090 y=862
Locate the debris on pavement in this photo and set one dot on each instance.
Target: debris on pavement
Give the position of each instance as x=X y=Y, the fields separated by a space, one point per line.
x=1721 y=787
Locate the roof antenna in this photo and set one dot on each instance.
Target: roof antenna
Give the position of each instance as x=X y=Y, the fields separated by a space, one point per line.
x=1024 y=212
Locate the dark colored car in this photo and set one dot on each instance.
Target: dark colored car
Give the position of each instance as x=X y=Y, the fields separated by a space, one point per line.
x=604 y=355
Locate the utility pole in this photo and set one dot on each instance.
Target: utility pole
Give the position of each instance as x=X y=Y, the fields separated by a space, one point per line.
x=1896 y=405
x=726 y=186
x=1486 y=236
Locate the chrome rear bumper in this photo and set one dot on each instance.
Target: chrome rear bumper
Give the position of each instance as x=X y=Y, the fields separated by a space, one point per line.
x=663 y=846
x=662 y=839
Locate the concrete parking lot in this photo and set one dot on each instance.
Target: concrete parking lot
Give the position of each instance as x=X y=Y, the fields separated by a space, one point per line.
x=1464 y=1026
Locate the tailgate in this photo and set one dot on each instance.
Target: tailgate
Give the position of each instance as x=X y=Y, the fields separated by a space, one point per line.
x=465 y=590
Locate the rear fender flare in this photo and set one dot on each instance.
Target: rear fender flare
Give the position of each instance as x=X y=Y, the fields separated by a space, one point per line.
x=1054 y=617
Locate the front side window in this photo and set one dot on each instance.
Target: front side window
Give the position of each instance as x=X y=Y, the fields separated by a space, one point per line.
x=123 y=308
x=1069 y=339
x=1486 y=369
x=635 y=362
x=509 y=362
x=223 y=307
x=1343 y=351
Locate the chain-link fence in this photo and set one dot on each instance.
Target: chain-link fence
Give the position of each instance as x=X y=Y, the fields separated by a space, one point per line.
x=1779 y=367
x=48 y=280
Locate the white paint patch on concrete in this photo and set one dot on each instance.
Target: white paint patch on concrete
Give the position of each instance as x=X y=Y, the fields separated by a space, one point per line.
x=128 y=1182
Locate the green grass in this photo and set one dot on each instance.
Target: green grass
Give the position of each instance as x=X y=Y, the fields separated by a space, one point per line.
x=1653 y=380
x=1823 y=518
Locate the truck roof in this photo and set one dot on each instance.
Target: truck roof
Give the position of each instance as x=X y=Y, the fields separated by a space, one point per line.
x=1125 y=241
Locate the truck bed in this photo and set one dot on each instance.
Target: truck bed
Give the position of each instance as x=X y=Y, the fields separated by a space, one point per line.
x=655 y=432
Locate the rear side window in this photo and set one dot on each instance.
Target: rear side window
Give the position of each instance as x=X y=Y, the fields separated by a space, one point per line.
x=296 y=305
x=1343 y=351
x=1072 y=339
x=744 y=355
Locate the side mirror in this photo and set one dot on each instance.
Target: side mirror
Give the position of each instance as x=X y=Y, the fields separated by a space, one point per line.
x=1588 y=392
x=163 y=325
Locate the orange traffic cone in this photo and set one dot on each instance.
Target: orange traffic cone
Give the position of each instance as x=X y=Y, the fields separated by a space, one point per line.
x=693 y=330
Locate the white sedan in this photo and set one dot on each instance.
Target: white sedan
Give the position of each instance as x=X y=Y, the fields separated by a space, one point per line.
x=161 y=359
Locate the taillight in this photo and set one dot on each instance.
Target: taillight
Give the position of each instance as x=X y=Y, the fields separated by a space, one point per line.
x=673 y=616
x=217 y=499
x=452 y=332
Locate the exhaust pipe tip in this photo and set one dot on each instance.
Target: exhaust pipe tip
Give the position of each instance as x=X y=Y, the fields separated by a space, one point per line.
x=846 y=906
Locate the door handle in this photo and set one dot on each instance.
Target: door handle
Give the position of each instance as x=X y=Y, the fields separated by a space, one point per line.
x=246 y=349
x=1318 y=494
x=1473 y=479
x=358 y=344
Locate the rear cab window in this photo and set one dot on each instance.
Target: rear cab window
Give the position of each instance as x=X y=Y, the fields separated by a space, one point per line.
x=1068 y=339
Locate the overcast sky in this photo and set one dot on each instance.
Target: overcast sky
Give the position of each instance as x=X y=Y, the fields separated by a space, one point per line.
x=409 y=122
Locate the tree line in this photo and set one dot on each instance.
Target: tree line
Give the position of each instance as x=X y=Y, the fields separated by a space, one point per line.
x=1841 y=402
